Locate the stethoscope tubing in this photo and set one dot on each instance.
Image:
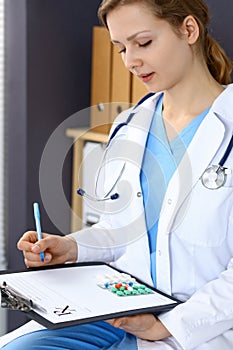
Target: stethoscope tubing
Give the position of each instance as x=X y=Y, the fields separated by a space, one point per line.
x=115 y=196
x=128 y=120
x=227 y=153
x=219 y=169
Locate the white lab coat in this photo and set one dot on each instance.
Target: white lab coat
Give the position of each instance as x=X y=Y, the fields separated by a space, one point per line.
x=194 y=260
x=195 y=234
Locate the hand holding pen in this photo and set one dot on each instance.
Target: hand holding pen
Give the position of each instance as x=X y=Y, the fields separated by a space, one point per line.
x=51 y=249
x=38 y=226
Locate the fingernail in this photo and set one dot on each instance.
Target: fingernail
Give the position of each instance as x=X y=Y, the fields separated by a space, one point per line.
x=35 y=249
x=47 y=258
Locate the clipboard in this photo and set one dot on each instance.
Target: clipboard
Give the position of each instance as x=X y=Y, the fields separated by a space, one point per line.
x=73 y=294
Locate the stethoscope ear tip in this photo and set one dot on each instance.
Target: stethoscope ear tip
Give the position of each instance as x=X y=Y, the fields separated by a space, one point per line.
x=81 y=192
x=114 y=196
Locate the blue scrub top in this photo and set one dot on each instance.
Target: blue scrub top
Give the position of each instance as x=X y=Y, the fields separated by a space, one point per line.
x=161 y=159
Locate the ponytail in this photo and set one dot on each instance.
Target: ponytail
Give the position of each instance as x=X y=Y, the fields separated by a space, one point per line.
x=219 y=64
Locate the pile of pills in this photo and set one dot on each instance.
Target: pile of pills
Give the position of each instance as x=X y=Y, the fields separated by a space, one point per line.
x=122 y=289
x=122 y=284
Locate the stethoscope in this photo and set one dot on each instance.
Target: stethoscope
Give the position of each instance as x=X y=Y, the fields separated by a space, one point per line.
x=215 y=176
x=114 y=196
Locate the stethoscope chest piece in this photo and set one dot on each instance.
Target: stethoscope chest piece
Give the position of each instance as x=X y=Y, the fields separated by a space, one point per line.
x=214 y=177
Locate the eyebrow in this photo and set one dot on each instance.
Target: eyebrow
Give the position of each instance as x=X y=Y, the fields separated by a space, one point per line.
x=131 y=37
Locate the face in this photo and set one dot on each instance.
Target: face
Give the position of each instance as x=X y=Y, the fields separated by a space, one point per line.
x=149 y=46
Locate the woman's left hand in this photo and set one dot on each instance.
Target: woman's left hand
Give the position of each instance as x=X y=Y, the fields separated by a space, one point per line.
x=145 y=326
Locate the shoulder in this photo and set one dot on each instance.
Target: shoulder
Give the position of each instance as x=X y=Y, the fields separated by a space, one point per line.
x=223 y=105
x=148 y=101
x=123 y=116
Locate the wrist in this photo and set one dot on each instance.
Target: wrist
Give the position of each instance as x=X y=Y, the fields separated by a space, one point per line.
x=72 y=250
x=157 y=332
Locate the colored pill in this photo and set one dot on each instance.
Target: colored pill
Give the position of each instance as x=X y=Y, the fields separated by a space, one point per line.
x=118 y=285
x=127 y=292
x=148 y=291
x=114 y=290
x=141 y=291
x=136 y=287
x=120 y=293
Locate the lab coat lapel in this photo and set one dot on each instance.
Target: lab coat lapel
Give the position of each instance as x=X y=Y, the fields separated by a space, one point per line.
x=199 y=155
x=139 y=127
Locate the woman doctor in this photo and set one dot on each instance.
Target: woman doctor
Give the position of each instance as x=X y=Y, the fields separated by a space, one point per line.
x=176 y=185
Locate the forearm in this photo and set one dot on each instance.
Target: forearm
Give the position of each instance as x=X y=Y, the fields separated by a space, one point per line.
x=96 y=243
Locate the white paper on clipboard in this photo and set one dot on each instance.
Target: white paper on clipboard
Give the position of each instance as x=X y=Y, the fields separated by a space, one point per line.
x=70 y=295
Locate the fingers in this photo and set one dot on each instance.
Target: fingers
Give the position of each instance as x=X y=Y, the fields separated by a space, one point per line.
x=33 y=260
x=31 y=248
x=118 y=322
x=57 y=249
x=27 y=240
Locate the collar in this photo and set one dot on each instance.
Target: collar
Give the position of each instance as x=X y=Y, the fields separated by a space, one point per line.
x=223 y=105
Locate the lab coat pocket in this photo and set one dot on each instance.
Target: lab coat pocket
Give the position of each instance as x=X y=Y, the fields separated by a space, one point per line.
x=203 y=217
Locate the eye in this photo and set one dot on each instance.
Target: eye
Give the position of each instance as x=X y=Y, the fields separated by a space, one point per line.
x=147 y=43
x=122 y=50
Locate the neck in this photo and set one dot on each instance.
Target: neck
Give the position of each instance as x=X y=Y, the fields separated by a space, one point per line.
x=183 y=102
x=192 y=95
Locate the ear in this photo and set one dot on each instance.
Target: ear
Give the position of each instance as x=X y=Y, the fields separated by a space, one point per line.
x=190 y=29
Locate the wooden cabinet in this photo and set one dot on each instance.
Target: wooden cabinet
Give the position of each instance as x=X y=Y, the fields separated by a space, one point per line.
x=113 y=87
x=101 y=80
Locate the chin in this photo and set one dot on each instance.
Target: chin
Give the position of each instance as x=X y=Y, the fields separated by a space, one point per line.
x=155 y=87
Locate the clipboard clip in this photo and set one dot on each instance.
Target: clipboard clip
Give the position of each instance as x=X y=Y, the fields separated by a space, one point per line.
x=11 y=299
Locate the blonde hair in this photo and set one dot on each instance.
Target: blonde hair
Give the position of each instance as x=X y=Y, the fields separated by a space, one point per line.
x=175 y=11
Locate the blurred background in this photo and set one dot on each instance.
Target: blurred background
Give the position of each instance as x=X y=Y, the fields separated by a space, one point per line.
x=45 y=77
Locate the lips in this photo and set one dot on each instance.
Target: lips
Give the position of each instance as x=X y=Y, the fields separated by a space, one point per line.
x=146 y=77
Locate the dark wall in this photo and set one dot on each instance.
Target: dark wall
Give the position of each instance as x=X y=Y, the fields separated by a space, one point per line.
x=59 y=42
x=221 y=27
x=47 y=80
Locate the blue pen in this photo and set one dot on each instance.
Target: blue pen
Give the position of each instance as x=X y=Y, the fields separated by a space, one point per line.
x=38 y=226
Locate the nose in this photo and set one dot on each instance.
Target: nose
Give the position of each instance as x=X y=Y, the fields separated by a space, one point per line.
x=132 y=62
